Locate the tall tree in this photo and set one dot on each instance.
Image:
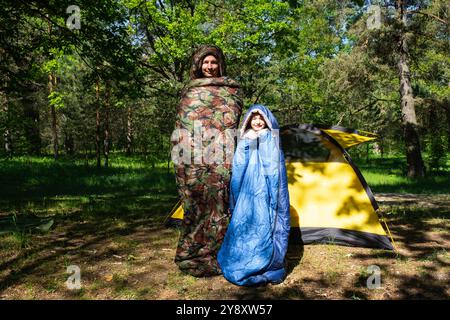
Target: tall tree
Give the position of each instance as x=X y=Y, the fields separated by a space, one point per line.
x=393 y=43
x=410 y=132
x=6 y=130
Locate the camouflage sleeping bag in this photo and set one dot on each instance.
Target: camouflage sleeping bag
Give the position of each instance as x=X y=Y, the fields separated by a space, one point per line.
x=203 y=145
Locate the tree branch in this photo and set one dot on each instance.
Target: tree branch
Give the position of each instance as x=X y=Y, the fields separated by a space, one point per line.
x=431 y=16
x=260 y=94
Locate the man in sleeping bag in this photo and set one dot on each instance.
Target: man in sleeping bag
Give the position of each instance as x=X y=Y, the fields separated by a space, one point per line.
x=254 y=248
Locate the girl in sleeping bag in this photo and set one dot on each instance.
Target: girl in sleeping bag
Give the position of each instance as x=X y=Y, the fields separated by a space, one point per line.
x=254 y=248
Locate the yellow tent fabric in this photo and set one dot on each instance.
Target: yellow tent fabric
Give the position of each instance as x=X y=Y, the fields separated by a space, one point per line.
x=349 y=139
x=333 y=190
x=178 y=213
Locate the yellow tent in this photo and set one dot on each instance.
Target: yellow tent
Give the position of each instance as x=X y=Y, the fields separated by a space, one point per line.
x=330 y=199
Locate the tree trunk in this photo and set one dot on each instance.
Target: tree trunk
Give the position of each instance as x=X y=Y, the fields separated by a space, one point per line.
x=31 y=121
x=6 y=133
x=129 y=131
x=409 y=122
x=106 y=137
x=69 y=144
x=51 y=86
x=447 y=115
x=97 y=123
x=378 y=147
x=86 y=157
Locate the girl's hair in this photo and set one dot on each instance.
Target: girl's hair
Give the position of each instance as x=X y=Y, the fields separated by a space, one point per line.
x=200 y=54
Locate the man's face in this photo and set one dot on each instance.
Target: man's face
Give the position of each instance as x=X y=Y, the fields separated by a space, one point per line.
x=210 y=67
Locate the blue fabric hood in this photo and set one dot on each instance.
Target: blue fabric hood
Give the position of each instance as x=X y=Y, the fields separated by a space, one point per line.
x=270 y=119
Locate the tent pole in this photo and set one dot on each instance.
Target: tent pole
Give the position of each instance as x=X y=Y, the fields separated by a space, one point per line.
x=389 y=233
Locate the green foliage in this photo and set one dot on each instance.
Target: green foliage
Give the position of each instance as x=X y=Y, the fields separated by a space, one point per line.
x=56 y=99
x=437 y=151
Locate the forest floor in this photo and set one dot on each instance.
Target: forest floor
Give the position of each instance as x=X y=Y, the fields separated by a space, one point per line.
x=131 y=257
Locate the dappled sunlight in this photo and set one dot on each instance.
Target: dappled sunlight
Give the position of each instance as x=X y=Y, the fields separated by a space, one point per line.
x=100 y=227
x=331 y=195
x=100 y=247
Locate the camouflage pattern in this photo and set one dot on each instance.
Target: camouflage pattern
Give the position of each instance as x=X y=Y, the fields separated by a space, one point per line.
x=215 y=103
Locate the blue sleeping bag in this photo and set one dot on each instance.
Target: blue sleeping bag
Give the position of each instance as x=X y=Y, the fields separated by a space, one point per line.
x=256 y=241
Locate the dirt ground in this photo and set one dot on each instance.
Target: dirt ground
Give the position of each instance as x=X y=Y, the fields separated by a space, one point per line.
x=132 y=258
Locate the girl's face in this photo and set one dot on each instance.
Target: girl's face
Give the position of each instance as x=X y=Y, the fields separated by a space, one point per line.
x=257 y=123
x=210 y=67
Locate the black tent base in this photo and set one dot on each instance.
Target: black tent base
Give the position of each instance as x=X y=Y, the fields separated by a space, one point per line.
x=173 y=223
x=338 y=236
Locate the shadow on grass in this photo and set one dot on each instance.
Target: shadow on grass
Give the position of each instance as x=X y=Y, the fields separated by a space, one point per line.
x=81 y=242
x=423 y=240
x=90 y=208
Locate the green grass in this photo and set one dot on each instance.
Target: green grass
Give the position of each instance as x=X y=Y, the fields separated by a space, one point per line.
x=388 y=175
x=43 y=186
